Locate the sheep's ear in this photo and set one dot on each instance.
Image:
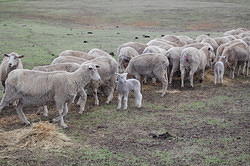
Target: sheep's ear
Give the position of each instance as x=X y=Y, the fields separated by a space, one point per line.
x=6 y=55
x=97 y=66
x=209 y=49
x=20 y=56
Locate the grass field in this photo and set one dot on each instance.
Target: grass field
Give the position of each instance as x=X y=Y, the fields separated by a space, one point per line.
x=209 y=124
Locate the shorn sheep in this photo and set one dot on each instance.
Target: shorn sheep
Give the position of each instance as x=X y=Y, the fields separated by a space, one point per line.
x=48 y=87
x=10 y=62
x=124 y=86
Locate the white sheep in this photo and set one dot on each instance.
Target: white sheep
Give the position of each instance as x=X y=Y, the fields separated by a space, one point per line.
x=124 y=86
x=10 y=62
x=38 y=88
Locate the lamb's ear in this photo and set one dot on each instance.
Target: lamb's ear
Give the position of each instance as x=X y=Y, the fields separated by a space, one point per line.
x=20 y=56
x=6 y=55
x=125 y=74
x=209 y=49
x=97 y=66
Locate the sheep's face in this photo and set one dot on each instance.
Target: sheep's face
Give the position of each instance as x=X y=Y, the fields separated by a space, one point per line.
x=211 y=56
x=94 y=75
x=121 y=78
x=13 y=60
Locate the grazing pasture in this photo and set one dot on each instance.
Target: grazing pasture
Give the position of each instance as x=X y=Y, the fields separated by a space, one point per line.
x=205 y=125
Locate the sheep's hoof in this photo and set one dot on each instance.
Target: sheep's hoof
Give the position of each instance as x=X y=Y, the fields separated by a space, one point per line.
x=64 y=126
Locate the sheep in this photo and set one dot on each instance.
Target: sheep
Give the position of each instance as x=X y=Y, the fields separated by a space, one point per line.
x=161 y=44
x=201 y=37
x=125 y=54
x=244 y=34
x=69 y=67
x=197 y=45
x=57 y=87
x=139 y=47
x=159 y=41
x=10 y=62
x=77 y=54
x=108 y=68
x=155 y=49
x=222 y=40
x=174 y=39
x=219 y=70
x=194 y=59
x=246 y=40
x=174 y=55
x=212 y=42
x=124 y=86
x=152 y=65
x=237 y=54
x=98 y=52
x=186 y=39
x=235 y=31
x=68 y=59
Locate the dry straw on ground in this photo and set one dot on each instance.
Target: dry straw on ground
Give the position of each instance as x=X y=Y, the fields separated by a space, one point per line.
x=40 y=135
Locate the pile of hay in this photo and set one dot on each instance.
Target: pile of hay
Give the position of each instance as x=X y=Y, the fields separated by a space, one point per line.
x=40 y=135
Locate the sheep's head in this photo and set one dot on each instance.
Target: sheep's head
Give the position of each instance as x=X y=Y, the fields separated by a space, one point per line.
x=13 y=59
x=92 y=70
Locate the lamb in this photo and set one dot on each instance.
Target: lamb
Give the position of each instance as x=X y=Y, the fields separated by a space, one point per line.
x=10 y=62
x=219 y=70
x=68 y=59
x=125 y=55
x=194 y=59
x=57 y=87
x=174 y=55
x=139 y=47
x=152 y=65
x=124 y=86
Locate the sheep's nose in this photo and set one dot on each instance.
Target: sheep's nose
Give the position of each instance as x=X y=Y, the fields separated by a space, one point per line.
x=9 y=65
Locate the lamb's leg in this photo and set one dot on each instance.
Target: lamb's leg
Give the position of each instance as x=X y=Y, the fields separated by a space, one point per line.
x=84 y=100
x=215 y=77
x=138 y=98
x=19 y=110
x=119 y=101
x=125 y=101
x=182 y=77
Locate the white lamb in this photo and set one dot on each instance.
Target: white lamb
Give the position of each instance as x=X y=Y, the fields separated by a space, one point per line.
x=124 y=86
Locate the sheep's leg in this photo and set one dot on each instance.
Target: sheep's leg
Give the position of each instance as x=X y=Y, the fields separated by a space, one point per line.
x=244 y=68
x=84 y=100
x=111 y=95
x=8 y=97
x=145 y=80
x=182 y=77
x=238 y=72
x=96 y=96
x=138 y=98
x=163 y=77
x=3 y=83
x=125 y=100
x=65 y=111
x=248 y=66
x=45 y=110
x=191 y=77
x=174 y=69
x=119 y=101
x=19 y=110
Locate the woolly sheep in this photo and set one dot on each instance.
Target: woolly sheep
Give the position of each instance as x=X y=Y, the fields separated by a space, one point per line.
x=47 y=87
x=10 y=62
x=219 y=70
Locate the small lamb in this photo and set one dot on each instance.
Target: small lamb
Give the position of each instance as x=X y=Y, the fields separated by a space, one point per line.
x=124 y=86
x=219 y=70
